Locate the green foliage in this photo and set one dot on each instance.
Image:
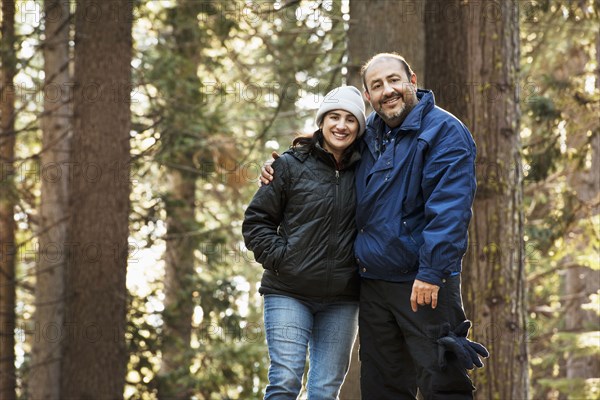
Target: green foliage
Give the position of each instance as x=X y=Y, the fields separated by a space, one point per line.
x=170 y=72
x=143 y=344
x=542 y=108
x=562 y=224
x=227 y=339
x=575 y=389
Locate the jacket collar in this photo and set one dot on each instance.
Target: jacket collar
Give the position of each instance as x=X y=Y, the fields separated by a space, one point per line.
x=301 y=155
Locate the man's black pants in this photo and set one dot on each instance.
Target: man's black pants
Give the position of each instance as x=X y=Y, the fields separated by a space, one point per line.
x=398 y=348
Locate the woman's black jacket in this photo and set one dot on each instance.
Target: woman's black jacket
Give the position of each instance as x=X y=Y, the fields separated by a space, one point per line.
x=301 y=227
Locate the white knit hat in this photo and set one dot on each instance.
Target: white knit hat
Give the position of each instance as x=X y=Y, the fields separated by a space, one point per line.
x=347 y=98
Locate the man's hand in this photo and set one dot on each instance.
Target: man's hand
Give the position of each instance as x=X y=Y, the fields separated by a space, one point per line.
x=423 y=293
x=266 y=172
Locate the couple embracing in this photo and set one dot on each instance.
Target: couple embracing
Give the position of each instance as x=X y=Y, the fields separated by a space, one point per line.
x=363 y=226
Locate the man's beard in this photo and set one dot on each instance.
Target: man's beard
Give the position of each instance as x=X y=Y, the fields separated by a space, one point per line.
x=398 y=116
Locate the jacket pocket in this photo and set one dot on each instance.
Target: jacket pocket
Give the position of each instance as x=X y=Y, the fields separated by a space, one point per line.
x=385 y=250
x=277 y=258
x=407 y=254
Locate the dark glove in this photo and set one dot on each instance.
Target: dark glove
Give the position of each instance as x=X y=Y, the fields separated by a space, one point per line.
x=466 y=351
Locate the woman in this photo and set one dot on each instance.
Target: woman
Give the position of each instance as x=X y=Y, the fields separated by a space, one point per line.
x=301 y=229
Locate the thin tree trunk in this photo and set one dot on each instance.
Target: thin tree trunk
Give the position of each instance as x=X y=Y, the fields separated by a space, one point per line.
x=472 y=62
x=179 y=278
x=582 y=281
x=95 y=358
x=7 y=204
x=44 y=376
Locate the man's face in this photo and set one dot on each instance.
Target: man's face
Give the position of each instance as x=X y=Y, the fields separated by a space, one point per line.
x=391 y=93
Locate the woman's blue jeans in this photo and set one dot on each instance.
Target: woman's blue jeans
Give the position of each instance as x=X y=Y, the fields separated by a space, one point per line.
x=326 y=330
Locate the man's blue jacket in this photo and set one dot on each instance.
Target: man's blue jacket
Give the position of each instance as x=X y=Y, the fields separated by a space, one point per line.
x=414 y=200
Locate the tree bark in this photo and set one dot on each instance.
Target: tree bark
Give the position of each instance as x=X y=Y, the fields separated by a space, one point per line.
x=383 y=26
x=95 y=358
x=8 y=248
x=44 y=376
x=472 y=62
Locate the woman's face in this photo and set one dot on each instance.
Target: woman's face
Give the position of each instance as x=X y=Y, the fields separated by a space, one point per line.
x=340 y=129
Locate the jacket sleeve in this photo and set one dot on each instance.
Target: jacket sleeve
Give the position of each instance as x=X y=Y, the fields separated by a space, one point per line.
x=264 y=216
x=448 y=186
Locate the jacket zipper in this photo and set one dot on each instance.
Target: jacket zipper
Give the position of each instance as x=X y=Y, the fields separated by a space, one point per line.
x=333 y=235
x=410 y=235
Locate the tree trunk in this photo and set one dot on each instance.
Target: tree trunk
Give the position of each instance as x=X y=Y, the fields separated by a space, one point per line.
x=582 y=281
x=174 y=373
x=44 y=376
x=472 y=62
x=95 y=358
x=181 y=127
x=383 y=26
x=378 y=26
x=7 y=204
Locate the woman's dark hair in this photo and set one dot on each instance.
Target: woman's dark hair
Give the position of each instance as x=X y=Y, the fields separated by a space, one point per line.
x=308 y=143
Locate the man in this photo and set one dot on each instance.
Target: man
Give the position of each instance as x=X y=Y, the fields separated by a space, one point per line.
x=415 y=186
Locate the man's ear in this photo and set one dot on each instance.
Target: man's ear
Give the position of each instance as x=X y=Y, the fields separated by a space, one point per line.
x=413 y=79
x=367 y=95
